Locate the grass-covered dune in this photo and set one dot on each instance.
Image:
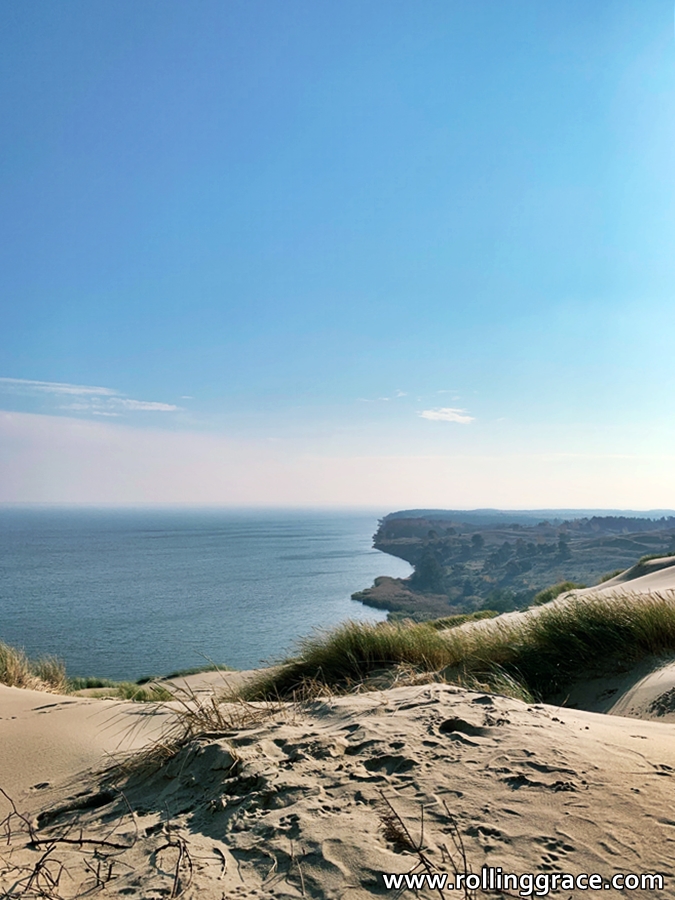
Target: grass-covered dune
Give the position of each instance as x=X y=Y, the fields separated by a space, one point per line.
x=17 y=670
x=49 y=674
x=531 y=654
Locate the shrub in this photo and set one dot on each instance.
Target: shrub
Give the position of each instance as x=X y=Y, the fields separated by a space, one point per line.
x=121 y=690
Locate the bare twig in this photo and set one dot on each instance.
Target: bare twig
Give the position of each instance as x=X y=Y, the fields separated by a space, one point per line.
x=223 y=861
x=79 y=841
x=6 y=823
x=183 y=859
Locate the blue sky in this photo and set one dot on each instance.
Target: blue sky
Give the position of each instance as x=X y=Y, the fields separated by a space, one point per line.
x=360 y=253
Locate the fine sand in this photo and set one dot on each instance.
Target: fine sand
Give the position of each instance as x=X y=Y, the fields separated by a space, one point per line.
x=314 y=801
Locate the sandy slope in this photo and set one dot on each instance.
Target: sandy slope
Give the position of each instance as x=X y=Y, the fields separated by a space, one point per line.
x=659 y=575
x=47 y=738
x=647 y=691
x=296 y=805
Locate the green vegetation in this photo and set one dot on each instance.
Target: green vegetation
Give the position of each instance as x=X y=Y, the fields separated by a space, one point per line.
x=49 y=674
x=120 y=690
x=85 y=684
x=183 y=673
x=346 y=657
x=504 y=600
x=16 y=670
x=648 y=557
x=491 y=563
x=550 y=593
x=537 y=654
x=461 y=619
x=609 y=575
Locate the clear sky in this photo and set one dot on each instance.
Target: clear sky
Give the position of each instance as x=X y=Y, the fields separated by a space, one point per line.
x=306 y=253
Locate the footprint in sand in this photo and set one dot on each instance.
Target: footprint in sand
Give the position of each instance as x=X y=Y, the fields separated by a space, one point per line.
x=391 y=765
x=485 y=832
x=456 y=725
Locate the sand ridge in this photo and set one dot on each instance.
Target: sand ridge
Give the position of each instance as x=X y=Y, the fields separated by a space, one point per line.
x=294 y=806
x=300 y=800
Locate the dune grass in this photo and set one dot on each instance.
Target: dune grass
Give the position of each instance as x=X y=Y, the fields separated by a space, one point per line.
x=105 y=688
x=536 y=654
x=550 y=593
x=609 y=575
x=461 y=619
x=648 y=557
x=17 y=670
x=183 y=673
x=49 y=674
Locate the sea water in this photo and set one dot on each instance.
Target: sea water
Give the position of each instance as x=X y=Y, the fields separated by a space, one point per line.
x=123 y=594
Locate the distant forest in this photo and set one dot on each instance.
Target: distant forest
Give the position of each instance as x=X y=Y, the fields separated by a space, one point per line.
x=488 y=559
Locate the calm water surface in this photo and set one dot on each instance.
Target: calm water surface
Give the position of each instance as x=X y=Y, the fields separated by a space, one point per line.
x=125 y=594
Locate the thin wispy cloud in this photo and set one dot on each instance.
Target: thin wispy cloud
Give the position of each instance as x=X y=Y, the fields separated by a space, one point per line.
x=24 y=385
x=447 y=414
x=99 y=401
x=397 y=394
x=146 y=405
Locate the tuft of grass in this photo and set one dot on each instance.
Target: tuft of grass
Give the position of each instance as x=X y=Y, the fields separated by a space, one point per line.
x=648 y=557
x=150 y=693
x=583 y=638
x=104 y=688
x=550 y=593
x=17 y=670
x=609 y=575
x=461 y=619
x=85 y=684
x=535 y=655
x=49 y=674
x=183 y=673
x=345 y=657
x=195 y=717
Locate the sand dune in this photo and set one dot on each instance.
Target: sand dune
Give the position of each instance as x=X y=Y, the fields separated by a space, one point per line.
x=652 y=575
x=314 y=801
x=647 y=690
x=297 y=805
x=45 y=738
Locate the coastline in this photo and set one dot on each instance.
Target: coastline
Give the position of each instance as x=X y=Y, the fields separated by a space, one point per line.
x=292 y=799
x=178 y=589
x=396 y=597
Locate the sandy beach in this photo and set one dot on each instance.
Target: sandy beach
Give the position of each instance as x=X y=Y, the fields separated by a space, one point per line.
x=321 y=800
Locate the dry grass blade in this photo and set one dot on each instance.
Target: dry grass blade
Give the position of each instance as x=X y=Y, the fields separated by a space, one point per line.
x=396 y=829
x=458 y=859
x=397 y=832
x=69 y=853
x=17 y=670
x=192 y=717
x=6 y=823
